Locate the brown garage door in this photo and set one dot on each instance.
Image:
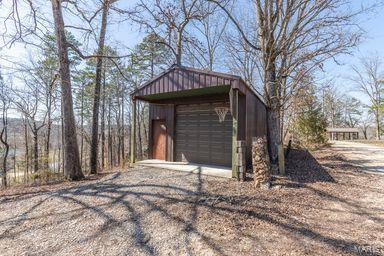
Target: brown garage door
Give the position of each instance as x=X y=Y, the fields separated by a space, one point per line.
x=200 y=137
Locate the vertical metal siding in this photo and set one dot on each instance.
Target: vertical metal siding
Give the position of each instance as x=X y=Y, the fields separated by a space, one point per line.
x=256 y=122
x=179 y=79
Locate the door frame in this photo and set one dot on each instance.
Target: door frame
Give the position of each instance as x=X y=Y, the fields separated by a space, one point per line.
x=152 y=137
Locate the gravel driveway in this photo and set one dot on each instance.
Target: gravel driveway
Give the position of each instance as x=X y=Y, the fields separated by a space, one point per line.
x=318 y=209
x=366 y=156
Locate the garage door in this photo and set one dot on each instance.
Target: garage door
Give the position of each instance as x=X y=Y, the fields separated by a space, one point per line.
x=200 y=137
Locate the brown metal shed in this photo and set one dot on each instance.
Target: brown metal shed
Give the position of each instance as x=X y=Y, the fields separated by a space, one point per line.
x=183 y=124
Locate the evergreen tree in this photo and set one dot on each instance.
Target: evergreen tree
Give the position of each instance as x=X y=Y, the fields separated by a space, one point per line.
x=151 y=56
x=310 y=123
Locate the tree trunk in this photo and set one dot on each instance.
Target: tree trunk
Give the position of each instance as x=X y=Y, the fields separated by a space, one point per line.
x=48 y=141
x=4 y=141
x=179 y=46
x=377 y=125
x=152 y=66
x=14 y=149
x=26 y=146
x=72 y=162
x=109 y=135
x=365 y=132
x=49 y=126
x=82 y=126
x=59 y=159
x=14 y=155
x=118 y=127
x=273 y=114
x=62 y=138
x=35 y=148
x=103 y=125
x=122 y=129
x=96 y=100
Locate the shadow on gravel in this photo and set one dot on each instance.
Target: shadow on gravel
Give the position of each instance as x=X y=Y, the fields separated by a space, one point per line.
x=302 y=167
x=195 y=200
x=164 y=198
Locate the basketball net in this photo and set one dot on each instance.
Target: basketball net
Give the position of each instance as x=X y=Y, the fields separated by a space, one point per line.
x=221 y=112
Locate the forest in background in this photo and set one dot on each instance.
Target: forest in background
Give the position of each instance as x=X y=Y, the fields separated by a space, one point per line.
x=72 y=93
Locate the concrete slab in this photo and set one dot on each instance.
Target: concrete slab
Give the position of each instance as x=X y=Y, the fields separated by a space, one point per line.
x=212 y=170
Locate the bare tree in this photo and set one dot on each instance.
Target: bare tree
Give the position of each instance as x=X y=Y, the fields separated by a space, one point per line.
x=5 y=104
x=365 y=123
x=27 y=102
x=168 y=19
x=291 y=34
x=103 y=122
x=207 y=44
x=369 y=78
x=241 y=57
x=331 y=103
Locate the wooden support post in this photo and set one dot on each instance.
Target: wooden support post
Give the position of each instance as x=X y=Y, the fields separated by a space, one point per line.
x=241 y=161
x=133 y=132
x=234 y=104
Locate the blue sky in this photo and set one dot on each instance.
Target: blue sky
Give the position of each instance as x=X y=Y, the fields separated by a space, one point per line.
x=373 y=43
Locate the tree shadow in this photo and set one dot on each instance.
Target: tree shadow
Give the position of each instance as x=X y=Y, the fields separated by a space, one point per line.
x=302 y=167
x=162 y=197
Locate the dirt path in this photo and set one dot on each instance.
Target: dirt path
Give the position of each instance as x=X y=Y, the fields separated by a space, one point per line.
x=367 y=157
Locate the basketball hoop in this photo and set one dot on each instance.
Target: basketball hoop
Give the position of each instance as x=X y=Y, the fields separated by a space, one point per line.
x=221 y=112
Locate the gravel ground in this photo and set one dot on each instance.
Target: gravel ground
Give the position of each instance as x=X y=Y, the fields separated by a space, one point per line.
x=379 y=143
x=368 y=157
x=324 y=207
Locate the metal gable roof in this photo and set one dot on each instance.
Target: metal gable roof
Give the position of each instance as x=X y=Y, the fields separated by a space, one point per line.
x=179 y=78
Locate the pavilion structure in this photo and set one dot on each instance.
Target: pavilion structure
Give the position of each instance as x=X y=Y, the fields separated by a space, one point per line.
x=342 y=133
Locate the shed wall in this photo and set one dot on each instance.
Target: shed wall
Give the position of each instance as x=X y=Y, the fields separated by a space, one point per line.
x=165 y=110
x=256 y=121
x=251 y=119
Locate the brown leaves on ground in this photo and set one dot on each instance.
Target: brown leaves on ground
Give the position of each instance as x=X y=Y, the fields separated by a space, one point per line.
x=323 y=206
